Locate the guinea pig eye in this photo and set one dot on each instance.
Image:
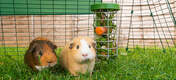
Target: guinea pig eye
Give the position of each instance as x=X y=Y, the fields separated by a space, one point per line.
x=40 y=53
x=89 y=46
x=77 y=47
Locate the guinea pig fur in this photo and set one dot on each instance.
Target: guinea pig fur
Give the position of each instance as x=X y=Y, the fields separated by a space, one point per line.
x=40 y=54
x=78 y=56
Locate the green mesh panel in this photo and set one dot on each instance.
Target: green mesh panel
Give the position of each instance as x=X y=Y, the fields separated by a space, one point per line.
x=45 y=7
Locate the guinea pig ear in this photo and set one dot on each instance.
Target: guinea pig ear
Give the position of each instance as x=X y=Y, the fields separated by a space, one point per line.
x=71 y=45
x=53 y=46
x=32 y=48
x=93 y=44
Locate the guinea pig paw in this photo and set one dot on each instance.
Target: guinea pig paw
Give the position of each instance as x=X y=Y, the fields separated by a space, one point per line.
x=52 y=64
x=40 y=67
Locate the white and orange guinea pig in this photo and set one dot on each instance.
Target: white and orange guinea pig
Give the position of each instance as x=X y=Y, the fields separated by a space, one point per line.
x=40 y=54
x=78 y=56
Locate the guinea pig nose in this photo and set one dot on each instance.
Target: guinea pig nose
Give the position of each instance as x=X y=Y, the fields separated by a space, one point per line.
x=84 y=55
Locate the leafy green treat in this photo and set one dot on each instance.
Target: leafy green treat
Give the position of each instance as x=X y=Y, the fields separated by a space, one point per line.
x=105 y=19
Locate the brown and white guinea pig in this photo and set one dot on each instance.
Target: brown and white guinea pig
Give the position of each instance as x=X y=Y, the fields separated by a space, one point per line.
x=78 y=56
x=40 y=54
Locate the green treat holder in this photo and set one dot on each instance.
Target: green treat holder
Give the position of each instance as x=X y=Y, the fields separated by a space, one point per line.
x=105 y=6
x=105 y=28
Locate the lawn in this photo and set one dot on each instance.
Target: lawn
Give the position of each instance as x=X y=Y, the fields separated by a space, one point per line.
x=136 y=64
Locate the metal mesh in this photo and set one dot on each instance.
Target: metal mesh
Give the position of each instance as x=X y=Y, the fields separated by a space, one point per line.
x=143 y=23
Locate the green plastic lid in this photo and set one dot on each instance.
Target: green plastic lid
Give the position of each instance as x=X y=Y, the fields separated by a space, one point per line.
x=105 y=6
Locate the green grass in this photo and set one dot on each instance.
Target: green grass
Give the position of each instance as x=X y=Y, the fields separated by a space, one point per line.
x=136 y=65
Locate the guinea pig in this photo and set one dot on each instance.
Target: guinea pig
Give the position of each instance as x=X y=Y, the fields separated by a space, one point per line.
x=78 y=56
x=40 y=54
x=41 y=38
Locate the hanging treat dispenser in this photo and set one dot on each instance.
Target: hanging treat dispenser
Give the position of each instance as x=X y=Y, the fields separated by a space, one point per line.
x=105 y=28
